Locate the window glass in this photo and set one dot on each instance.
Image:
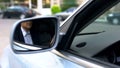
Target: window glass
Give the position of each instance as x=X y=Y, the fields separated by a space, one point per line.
x=34 y=3
x=65 y=25
x=46 y=3
x=101 y=38
x=106 y=22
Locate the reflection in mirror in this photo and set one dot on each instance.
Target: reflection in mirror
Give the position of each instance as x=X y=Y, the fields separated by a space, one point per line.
x=34 y=34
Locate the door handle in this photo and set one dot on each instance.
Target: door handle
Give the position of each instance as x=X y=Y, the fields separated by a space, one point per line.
x=81 y=44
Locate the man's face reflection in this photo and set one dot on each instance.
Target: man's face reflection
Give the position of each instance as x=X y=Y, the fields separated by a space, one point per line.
x=26 y=25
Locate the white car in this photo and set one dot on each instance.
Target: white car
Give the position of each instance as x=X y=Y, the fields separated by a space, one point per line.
x=80 y=42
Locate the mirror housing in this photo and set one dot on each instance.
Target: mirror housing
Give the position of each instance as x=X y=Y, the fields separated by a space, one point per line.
x=43 y=35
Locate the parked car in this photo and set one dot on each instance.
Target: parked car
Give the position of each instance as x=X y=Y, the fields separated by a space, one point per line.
x=18 y=12
x=114 y=18
x=63 y=15
x=78 y=43
x=0 y=11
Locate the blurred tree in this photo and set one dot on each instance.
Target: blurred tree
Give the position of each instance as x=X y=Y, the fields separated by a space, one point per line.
x=4 y=0
x=20 y=0
x=10 y=0
x=55 y=9
x=2 y=7
x=67 y=4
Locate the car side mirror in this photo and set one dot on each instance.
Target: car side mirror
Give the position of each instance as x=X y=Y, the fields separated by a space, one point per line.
x=35 y=35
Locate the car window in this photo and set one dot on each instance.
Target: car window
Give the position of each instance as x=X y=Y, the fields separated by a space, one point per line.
x=18 y=8
x=71 y=9
x=100 y=39
x=25 y=9
x=64 y=25
x=14 y=9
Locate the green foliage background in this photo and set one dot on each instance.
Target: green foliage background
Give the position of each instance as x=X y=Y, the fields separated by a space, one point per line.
x=4 y=0
x=55 y=9
x=67 y=4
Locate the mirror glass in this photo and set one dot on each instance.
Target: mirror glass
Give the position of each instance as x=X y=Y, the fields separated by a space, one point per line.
x=35 y=34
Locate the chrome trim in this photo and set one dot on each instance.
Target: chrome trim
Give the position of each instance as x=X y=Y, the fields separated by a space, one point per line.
x=26 y=46
x=79 y=61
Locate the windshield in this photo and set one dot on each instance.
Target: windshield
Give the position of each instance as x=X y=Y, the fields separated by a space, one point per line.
x=18 y=8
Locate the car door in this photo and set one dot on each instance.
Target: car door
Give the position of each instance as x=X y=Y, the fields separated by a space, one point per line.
x=80 y=43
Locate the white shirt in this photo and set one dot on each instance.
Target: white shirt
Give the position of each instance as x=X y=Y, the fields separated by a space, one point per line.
x=27 y=38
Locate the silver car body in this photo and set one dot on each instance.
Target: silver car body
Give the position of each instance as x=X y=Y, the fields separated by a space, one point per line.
x=38 y=60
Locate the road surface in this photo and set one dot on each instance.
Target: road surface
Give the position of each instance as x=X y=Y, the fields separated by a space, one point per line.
x=5 y=28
